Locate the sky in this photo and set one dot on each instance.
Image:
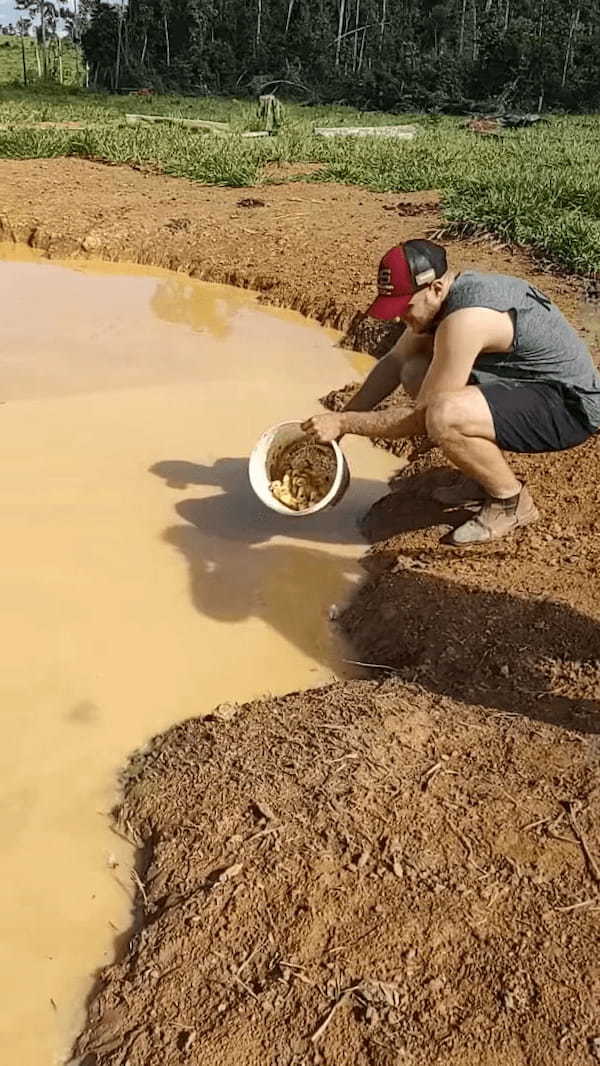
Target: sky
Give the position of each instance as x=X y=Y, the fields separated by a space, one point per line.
x=8 y=12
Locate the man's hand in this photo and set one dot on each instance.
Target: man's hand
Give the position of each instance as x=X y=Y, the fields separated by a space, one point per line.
x=325 y=428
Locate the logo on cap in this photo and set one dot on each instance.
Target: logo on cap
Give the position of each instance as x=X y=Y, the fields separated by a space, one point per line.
x=384 y=281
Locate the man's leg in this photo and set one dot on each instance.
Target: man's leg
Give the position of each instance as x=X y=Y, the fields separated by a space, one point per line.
x=461 y=424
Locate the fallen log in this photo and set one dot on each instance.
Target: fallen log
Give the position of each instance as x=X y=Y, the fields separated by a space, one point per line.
x=190 y=123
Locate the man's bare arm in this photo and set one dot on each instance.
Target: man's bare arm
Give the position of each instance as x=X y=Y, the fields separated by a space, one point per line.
x=459 y=340
x=386 y=375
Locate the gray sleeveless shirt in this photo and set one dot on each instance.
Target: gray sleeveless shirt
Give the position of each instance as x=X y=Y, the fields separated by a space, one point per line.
x=545 y=349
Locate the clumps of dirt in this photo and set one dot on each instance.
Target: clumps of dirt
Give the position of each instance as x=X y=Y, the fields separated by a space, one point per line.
x=410 y=208
x=302 y=474
x=367 y=874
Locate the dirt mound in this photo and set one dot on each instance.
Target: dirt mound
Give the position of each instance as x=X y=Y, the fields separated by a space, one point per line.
x=363 y=874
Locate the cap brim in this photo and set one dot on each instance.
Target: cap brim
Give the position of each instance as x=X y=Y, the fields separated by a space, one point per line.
x=388 y=307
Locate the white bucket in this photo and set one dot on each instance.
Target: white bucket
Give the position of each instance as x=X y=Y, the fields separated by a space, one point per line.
x=267 y=450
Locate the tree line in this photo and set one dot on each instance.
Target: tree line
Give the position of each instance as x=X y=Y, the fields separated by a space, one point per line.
x=375 y=54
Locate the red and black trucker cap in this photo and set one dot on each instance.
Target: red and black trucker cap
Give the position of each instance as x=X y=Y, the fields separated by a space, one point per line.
x=404 y=270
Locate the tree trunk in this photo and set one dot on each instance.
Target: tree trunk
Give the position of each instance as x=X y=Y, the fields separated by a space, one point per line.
x=289 y=16
x=144 y=49
x=475 y=47
x=340 y=31
x=61 y=75
x=461 y=43
x=43 y=30
x=355 y=49
x=507 y=17
x=37 y=59
x=23 y=57
x=118 y=56
x=382 y=23
x=572 y=28
x=362 y=50
x=258 y=22
x=167 y=40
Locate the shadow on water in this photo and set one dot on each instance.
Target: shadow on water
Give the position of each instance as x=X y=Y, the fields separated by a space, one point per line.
x=236 y=514
x=457 y=639
x=236 y=573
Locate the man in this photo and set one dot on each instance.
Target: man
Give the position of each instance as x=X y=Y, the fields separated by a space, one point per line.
x=493 y=367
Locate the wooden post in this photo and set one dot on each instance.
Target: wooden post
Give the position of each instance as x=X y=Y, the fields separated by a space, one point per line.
x=23 y=58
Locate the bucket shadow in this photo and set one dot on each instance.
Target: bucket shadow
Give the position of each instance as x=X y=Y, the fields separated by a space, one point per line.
x=236 y=514
x=236 y=573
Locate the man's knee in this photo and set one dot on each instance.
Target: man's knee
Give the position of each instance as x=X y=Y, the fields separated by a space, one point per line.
x=445 y=416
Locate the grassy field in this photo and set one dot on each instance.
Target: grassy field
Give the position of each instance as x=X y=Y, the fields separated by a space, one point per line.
x=11 y=61
x=539 y=187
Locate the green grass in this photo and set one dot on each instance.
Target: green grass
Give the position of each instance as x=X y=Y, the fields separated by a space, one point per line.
x=11 y=61
x=539 y=187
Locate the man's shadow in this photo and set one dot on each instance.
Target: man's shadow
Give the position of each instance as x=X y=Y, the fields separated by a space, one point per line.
x=236 y=514
x=236 y=573
x=486 y=647
x=510 y=654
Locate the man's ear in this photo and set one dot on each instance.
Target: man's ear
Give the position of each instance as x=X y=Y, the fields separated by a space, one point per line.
x=437 y=287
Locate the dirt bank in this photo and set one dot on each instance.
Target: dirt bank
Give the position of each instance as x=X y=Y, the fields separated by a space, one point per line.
x=367 y=874
x=312 y=247
x=403 y=871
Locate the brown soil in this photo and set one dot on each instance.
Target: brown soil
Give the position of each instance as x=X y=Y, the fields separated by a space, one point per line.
x=370 y=855
x=414 y=860
x=313 y=248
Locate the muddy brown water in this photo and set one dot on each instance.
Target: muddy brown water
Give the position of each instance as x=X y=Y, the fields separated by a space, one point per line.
x=141 y=582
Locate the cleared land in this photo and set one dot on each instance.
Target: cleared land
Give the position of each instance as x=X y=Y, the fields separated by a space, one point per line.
x=538 y=186
x=397 y=871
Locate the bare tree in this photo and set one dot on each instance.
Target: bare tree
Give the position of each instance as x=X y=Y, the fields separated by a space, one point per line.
x=119 y=45
x=382 y=23
x=461 y=43
x=573 y=27
x=167 y=39
x=340 y=32
x=356 y=32
x=289 y=16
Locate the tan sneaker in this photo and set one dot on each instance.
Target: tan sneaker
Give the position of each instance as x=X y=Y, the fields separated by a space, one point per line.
x=464 y=492
x=496 y=519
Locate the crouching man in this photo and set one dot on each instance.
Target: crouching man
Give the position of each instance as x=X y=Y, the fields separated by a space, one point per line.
x=493 y=367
